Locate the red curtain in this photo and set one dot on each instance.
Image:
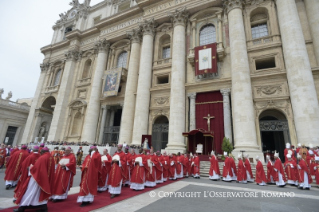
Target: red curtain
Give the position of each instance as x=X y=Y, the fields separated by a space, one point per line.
x=213 y=105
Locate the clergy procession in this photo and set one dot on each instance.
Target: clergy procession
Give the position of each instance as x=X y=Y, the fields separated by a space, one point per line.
x=41 y=175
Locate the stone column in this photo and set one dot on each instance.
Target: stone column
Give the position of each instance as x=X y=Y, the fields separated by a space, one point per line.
x=227 y=114
x=220 y=31
x=243 y=111
x=62 y=101
x=177 y=99
x=127 y=121
x=92 y=116
x=192 y=111
x=302 y=90
x=111 y=123
x=102 y=125
x=144 y=82
x=312 y=9
x=27 y=130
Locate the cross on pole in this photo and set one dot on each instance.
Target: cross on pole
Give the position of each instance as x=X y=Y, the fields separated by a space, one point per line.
x=208 y=120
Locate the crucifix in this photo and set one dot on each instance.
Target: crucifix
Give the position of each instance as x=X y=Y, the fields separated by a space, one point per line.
x=208 y=120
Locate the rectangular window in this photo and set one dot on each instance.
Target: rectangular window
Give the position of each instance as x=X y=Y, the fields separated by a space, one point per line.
x=166 y=52
x=162 y=79
x=265 y=63
x=259 y=31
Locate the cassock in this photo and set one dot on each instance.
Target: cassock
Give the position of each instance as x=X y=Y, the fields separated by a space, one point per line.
x=292 y=172
x=196 y=167
x=38 y=187
x=250 y=176
x=260 y=174
x=166 y=166
x=158 y=169
x=304 y=175
x=270 y=172
x=214 y=172
x=179 y=166
x=138 y=173
x=105 y=170
x=89 y=178
x=31 y=159
x=150 y=171
x=172 y=168
x=117 y=175
x=64 y=177
x=280 y=177
x=186 y=166
x=241 y=172
x=227 y=171
x=233 y=168
x=14 y=167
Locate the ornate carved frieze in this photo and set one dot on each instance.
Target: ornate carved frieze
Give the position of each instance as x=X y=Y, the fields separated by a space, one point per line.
x=179 y=17
x=273 y=125
x=161 y=101
x=156 y=113
x=253 y=2
x=102 y=45
x=135 y=35
x=282 y=104
x=269 y=90
x=45 y=66
x=231 y=4
x=148 y=27
x=72 y=55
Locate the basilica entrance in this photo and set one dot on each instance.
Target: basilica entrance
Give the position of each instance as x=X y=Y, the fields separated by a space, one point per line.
x=274 y=132
x=160 y=133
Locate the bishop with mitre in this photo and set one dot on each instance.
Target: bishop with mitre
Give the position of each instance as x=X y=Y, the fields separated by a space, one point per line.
x=291 y=170
x=260 y=174
x=280 y=177
x=304 y=175
x=138 y=174
x=271 y=174
x=106 y=160
x=241 y=172
x=117 y=172
x=214 y=172
x=249 y=173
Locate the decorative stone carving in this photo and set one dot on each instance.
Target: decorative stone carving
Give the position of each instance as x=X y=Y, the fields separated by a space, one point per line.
x=1 y=92
x=148 y=27
x=77 y=11
x=44 y=66
x=160 y=101
x=273 y=125
x=231 y=4
x=179 y=17
x=157 y=113
x=9 y=96
x=225 y=92
x=192 y=95
x=102 y=45
x=283 y=104
x=72 y=55
x=135 y=35
x=269 y=90
x=253 y=2
x=42 y=130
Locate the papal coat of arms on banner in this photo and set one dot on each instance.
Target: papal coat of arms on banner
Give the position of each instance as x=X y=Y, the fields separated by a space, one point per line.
x=112 y=82
x=206 y=60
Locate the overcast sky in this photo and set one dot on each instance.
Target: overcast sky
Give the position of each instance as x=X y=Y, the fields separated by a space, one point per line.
x=26 y=26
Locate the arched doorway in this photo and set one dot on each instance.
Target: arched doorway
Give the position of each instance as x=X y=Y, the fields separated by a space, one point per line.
x=45 y=118
x=160 y=133
x=274 y=132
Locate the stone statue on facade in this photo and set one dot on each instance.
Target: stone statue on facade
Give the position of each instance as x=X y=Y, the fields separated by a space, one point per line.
x=42 y=131
x=1 y=92
x=9 y=96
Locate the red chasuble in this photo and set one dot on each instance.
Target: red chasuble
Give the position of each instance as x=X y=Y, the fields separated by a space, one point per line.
x=90 y=172
x=14 y=165
x=166 y=165
x=148 y=175
x=214 y=166
x=190 y=167
x=248 y=168
x=260 y=174
x=138 y=173
x=178 y=165
x=317 y=174
x=31 y=159
x=196 y=166
x=241 y=172
x=227 y=168
x=2 y=156
x=292 y=156
x=62 y=176
x=278 y=166
x=171 y=171
x=158 y=167
x=311 y=164
x=128 y=165
x=270 y=171
x=55 y=155
x=304 y=168
x=292 y=173
x=185 y=165
x=105 y=170
x=233 y=165
x=14 y=150
x=117 y=173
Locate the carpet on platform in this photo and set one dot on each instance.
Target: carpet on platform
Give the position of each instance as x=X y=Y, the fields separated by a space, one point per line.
x=100 y=201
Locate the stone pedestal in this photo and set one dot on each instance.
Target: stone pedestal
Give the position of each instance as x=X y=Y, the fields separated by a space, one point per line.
x=92 y=116
x=227 y=114
x=302 y=90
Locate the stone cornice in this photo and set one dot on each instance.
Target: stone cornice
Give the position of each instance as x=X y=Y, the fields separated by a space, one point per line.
x=232 y=4
x=148 y=27
x=102 y=45
x=179 y=17
x=135 y=35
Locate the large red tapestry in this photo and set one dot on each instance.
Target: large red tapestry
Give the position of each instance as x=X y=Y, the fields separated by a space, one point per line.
x=211 y=103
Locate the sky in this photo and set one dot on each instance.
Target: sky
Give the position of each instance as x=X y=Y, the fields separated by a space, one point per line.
x=26 y=26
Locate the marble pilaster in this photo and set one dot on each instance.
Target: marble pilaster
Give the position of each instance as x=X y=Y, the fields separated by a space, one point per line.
x=227 y=114
x=192 y=111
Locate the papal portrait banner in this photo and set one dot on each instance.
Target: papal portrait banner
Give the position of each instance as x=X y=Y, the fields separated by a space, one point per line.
x=205 y=59
x=112 y=82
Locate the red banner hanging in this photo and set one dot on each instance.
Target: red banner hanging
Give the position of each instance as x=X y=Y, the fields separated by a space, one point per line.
x=206 y=59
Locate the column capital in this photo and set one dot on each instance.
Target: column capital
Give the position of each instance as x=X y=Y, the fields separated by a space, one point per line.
x=72 y=54
x=135 y=35
x=225 y=91
x=45 y=66
x=102 y=45
x=148 y=27
x=191 y=95
x=179 y=17
x=232 y=4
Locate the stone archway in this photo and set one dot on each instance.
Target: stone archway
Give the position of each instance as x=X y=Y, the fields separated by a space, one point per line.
x=160 y=133
x=274 y=132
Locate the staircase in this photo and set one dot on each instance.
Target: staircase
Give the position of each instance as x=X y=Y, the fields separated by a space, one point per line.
x=205 y=166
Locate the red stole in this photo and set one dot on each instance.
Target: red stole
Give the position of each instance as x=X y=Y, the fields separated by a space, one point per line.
x=148 y=175
x=311 y=164
x=241 y=173
x=213 y=166
x=260 y=174
x=291 y=172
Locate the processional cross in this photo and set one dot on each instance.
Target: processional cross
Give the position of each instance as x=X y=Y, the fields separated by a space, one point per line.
x=208 y=120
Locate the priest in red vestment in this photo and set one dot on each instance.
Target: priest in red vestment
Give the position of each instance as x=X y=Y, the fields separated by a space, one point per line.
x=249 y=173
x=30 y=160
x=117 y=175
x=3 y=154
x=214 y=173
x=260 y=174
x=166 y=166
x=185 y=165
x=126 y=167
x=158 y=167
x=305 y=179
x=241 y=172
x=290 y=151
x=270 y=171
x=291 y=171
x=316 y=168
x=64 y=175
x=196 y=164
x=89 y=178
x=41 y=147
x=14 y=167
x=311 y=162
x=280 y=177
x=55 y=155
x=38 y=187
x=227 y=169
x=138 y=173
x=150 y=171
x=172 y=167
x=233 y=167
x=105 y=170
x=132 y=161
x=179 y=165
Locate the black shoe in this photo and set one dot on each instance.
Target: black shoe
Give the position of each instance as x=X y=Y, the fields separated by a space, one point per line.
x=20 y=209
x=55 y=200
x=300 y=188
x=112 y=196
x=14 y=201
x=100 y=191
x=307 y=188
x=84 y=204
x=8 y=187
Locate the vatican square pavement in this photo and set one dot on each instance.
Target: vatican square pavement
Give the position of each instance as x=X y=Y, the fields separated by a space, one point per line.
x=204 y=195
